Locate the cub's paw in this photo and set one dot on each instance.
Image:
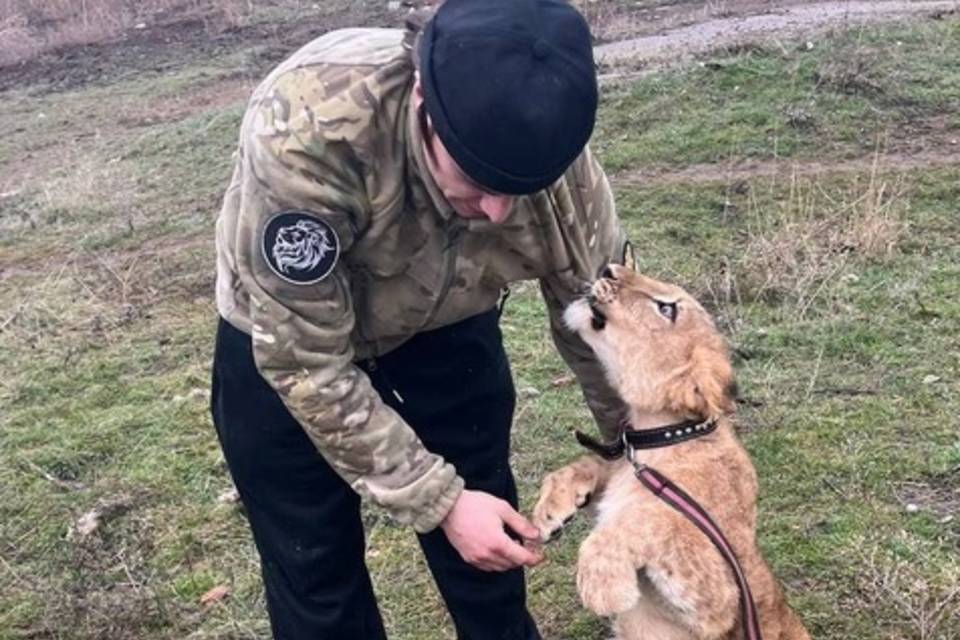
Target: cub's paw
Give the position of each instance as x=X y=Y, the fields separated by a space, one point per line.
x=606 y=578
x=605 y=291
x=561 y=494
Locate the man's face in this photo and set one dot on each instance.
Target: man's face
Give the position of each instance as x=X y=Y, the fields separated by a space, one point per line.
x=467 y=198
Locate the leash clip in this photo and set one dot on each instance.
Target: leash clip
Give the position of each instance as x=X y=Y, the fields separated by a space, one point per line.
x=630 y=453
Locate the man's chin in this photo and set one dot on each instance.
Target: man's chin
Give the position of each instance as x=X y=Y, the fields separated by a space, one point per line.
x=470 y=214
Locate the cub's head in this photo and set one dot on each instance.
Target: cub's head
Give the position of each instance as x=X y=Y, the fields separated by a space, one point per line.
x=660 y=349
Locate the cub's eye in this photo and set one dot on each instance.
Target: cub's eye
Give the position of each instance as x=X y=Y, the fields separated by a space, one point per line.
x=668 y=310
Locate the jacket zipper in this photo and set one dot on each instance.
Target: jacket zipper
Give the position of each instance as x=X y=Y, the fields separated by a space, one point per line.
x=454 y=229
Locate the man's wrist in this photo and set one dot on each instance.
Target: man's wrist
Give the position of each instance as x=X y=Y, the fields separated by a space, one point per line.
x=434 y=514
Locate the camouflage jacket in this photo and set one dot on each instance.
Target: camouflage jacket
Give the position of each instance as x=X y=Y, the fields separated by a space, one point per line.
x=334 y=245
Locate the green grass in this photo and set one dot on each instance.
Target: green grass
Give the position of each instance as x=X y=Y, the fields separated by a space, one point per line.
x=850 y=384
x=845 y=96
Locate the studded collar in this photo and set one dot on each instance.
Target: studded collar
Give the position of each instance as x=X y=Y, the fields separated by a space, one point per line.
x=648 y=438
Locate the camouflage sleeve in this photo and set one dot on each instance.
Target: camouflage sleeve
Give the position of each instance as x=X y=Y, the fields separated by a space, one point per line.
x=305 y=174
x=593 y=239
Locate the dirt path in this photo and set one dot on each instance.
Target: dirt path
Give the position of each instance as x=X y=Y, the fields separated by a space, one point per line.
x=739 y=22
x=730 y=173
x=650 y=33
x=686 y=31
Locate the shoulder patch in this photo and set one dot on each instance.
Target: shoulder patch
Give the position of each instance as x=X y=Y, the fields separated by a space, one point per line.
x=299 y=247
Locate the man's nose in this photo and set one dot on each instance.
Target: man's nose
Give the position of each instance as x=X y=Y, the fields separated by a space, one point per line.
x=496 y=207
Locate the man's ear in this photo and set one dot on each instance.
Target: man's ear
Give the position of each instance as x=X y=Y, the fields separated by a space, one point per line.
x=417 y=91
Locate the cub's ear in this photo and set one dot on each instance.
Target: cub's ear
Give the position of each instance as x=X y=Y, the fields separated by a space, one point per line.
x=707 y=387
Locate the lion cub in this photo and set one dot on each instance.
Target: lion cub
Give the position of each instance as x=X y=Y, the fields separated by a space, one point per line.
x=645 y=563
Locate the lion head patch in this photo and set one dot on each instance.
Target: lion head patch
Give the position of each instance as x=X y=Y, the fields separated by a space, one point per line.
x=299 y=247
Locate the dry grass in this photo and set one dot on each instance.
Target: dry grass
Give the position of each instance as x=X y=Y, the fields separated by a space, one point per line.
x=798 y=251
x=852 y=74
x=93 y=296
x=854 y=69
x=105 y=592
x=29 y=28
x=610 y=21
x=918 y=607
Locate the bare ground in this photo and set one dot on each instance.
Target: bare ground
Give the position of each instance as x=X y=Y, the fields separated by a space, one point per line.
x=652 y=34
x=181 y=40
x=734 y=23
x=640 y=34
x=942 y=153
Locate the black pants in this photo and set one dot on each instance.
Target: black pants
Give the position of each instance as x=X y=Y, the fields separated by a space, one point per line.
x=457 y=393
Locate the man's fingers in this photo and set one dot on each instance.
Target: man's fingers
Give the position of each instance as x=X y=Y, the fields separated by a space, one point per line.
x=517 y=523
x=493 y=562
x=516 y=555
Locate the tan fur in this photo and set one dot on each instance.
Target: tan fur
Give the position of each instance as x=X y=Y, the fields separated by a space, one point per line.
x=644 y=564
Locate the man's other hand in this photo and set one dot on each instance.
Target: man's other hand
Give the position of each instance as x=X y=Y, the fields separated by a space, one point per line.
x=476 y=526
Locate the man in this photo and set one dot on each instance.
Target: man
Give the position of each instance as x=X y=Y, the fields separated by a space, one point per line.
x=388 y=186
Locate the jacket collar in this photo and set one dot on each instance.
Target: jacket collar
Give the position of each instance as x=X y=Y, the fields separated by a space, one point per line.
x=418 y=163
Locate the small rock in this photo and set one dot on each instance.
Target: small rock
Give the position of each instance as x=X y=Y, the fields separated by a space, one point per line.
x=198 y=394
x=85 y=525
x=393 y=5
x=229 y=496
x=930 y=379
x=850 y=278
x=947 y=519
x=140 y=26
x=529 y=392
x=912 y=508
x=562 y=381
x=215 y=595
x=89 y=522
x=809 y=46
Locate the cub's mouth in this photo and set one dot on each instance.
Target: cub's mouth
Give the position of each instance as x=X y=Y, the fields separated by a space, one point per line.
x=597 y=318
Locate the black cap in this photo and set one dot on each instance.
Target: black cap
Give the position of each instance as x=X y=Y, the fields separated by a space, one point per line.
x=511 y=89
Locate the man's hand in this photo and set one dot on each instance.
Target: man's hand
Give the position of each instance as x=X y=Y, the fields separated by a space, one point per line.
x=475 y=528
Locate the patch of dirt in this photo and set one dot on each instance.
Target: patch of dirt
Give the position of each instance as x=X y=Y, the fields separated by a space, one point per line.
x=941 y=496
x=207 y=97
x=745 y=171
x=634 y=35
x=920 y=144
x=615 y=21
x=750 y=22
x=174 y=44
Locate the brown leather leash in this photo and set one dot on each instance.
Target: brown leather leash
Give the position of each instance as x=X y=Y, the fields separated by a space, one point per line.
x=669 y=492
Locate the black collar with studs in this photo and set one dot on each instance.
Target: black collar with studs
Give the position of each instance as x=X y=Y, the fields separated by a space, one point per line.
x=648 y=438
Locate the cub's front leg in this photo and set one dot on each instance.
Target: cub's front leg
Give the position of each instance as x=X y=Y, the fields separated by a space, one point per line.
x=566 y=490
x=607 y=573
x=675 y=558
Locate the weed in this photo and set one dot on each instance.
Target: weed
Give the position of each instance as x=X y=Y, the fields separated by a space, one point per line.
x=926 y=609
x=800 y=248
